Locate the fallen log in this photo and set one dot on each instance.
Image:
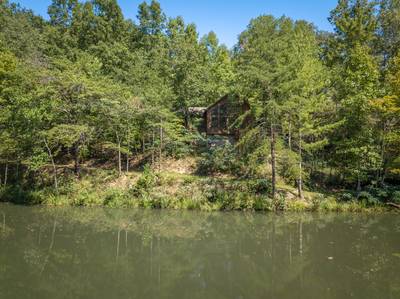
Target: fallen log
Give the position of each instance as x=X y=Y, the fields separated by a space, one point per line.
x=393 y=205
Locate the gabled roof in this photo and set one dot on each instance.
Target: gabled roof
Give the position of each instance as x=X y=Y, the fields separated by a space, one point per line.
x=217 y=102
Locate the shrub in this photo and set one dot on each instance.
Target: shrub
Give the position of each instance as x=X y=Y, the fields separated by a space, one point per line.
x=288 y=163
x=263 y=204
x=223 y=199
x=280 y=202
x=316 y=201
x=346 y=196
x=115 y=198
x=297 y=206
x=221 y=159
x=85 y=198
x=382 y=194
x=191 y=203
x=146 y=202
x=17 y=194
x=147 y=181
x=215 y=195
x=260 y=186
x=230 y=200
x=352 y=206
x=396 y=197
x=330 y=205
x=367 y=199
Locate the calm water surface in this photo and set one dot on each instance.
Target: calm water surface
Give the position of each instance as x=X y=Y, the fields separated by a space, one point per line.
x=101 y=253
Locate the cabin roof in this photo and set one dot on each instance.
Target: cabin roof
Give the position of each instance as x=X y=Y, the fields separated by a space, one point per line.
x=217 y=102
x=203 y=110
x=223 y=98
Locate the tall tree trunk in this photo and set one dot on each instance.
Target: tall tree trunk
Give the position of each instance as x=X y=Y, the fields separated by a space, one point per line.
x=76 y=158
x=152 y=148
x=127 y=154
x=290 y=134
x=300 y=179
x=273 y=161
x=383 y=176
x=119 y=157
x=6 y=174
x=358 y=183
x=161 y=146
x=17 y=171
x=187 y=119
x=119 y=153
x=383 y=149
x=53 y=165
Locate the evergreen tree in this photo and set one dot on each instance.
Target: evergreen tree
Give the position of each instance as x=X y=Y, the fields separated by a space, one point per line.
x=357 y=75
x=389 y=29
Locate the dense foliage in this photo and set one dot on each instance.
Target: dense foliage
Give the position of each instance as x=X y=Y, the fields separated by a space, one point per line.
x=89 y=85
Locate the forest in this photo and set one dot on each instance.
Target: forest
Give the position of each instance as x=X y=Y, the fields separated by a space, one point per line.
x=90 y=99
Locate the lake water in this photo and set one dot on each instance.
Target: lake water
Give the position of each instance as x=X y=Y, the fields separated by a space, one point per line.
x=102 y=253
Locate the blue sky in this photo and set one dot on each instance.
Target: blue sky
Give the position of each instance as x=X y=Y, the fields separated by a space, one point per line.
x=227 y=18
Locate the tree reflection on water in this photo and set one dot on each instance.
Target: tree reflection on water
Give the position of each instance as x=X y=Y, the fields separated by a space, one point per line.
x=107 y=253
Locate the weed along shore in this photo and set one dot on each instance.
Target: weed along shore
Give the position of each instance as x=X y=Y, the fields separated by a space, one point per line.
x=156 y=189
x=101 y=110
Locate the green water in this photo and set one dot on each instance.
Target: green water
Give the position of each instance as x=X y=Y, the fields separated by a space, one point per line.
x=100 y=253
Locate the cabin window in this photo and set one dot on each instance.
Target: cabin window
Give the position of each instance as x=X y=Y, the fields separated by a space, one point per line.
x=214 y=118
x=223 y=124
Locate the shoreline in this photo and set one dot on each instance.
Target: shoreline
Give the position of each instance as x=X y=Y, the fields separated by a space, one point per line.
x=339 y=208
x=174 y=191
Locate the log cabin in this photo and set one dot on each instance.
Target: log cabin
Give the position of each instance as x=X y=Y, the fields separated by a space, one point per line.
x=220 y=117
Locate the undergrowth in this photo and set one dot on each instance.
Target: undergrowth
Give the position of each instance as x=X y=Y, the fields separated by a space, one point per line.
x=173 y=191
